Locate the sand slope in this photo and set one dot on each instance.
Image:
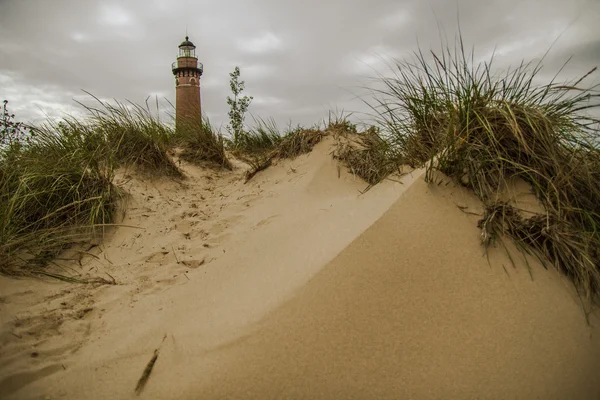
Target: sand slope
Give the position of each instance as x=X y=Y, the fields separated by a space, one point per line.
x=242 y=250
x=297 y=286
x=412 y=310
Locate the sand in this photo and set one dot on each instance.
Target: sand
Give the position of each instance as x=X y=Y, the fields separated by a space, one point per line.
x=296 y=285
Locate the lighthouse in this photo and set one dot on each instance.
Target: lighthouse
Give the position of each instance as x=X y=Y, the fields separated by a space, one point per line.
x=187 y=71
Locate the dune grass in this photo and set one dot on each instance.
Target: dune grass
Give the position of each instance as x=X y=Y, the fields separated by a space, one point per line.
x=456 y=116
x=260 y=146
x=365 y=153
x=54 y=192
x=368 y=155
x=441 y=110
x=56 y=180
x=132 y=134
x=201 y=144
x=256 y=145
x=299 y=141
x=258 y=140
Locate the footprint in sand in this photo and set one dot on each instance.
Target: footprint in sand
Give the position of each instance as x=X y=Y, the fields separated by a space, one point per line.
x=34 y=344
x=38 y=326
x=148 y=286
x=157 y=257
x=144 y=284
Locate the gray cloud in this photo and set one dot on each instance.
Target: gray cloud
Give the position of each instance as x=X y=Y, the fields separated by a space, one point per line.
x=299 y=59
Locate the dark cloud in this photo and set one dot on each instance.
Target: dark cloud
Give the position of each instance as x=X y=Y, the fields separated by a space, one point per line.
x=299 y=59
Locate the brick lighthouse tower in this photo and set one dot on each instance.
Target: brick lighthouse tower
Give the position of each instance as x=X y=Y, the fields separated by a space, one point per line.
x=187 y=71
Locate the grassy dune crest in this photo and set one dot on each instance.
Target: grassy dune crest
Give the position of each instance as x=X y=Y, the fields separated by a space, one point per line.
x=56 y=179
x=484 y=129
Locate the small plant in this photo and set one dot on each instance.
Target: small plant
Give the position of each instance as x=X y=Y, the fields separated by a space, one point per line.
x=238 y=105
x=262 y=138
x=12 y=133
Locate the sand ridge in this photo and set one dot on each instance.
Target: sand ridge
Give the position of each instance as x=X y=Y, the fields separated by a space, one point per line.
x=296 y=285
x=211 y=250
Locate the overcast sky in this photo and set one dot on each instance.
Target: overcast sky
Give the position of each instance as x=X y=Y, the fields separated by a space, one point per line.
x=299 y=58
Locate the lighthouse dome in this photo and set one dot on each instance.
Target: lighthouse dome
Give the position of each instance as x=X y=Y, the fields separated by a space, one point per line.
x=187 y=43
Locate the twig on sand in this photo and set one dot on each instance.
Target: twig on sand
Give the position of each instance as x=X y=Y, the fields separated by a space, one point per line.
x=106 y=258
x=465 y=210
x=114 y=281
x=175 y=254
x=148 y=370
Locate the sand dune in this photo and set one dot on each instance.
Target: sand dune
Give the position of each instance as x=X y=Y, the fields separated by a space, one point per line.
x=411 y=309
x=295 y=285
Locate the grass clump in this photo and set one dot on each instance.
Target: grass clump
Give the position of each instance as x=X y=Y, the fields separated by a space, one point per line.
x=256 y=146
x=56 y=180
x=132 y=135
x=263 y=138
x=483 y=129
x=365 y=153
x=294 y=143
x=571 y=251
x=338 y=122
x=261 y=145
x=368 y=155
x=53 y=193
x=298 y=141
x=201 y=144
